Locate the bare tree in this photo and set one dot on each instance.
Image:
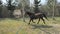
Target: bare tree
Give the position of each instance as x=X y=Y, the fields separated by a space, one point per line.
x=24 y=4
x=52 y=5
x=10 y=7
x=0 y=2
x=0 y=8
x=36 y=2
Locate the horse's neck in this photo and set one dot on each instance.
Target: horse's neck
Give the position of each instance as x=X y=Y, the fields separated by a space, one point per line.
x=31 y=14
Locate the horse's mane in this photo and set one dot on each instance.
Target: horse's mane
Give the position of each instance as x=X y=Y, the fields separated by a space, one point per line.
x=30 y=12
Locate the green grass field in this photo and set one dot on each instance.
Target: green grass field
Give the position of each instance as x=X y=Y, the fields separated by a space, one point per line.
x=11 y=26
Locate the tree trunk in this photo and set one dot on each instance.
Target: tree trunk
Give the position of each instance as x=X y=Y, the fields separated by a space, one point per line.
x=23 y=12
x=53 y=10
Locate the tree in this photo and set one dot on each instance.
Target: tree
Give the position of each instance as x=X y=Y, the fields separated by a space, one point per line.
x=0 y=8
x=36 y=9
x=58 y=8
x=10 y=7
x=24 y=4
x=0 y=2
x=52 y=6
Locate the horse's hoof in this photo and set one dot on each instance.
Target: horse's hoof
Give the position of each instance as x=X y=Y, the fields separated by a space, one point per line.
x=44 y=23
x=33 y=22
x=37 y=23
x=28 y=23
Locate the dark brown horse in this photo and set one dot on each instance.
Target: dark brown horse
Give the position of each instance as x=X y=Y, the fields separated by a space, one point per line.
x=36 y=16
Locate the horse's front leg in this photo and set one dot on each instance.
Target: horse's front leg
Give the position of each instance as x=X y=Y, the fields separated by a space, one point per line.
x=33 y=21
x=43 y=20
x=29 y=21
x=38 y=21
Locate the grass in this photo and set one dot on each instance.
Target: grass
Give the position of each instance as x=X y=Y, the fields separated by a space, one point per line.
x=11 y=26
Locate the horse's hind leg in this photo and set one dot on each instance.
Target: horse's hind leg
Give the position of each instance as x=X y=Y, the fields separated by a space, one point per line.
x=38 y=21
x=33 y=21
x=43 y=20
x=29 y=21
x=45 y=17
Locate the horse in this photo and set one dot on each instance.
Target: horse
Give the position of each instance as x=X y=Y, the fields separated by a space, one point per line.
x=36 y=16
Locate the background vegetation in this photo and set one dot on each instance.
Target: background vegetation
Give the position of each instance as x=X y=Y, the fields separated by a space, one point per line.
x=10 y=25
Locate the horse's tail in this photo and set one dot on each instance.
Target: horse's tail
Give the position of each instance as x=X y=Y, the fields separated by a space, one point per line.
x=45 y=16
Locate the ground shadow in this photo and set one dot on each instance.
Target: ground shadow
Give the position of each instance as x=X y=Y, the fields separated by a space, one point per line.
x=40 y=26
x=2 y=19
